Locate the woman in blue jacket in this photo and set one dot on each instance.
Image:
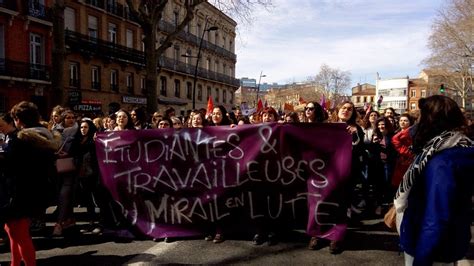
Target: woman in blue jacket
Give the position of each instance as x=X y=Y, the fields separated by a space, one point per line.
x=433 y=201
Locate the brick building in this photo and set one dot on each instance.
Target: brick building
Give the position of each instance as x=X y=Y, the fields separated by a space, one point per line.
x=25 y=53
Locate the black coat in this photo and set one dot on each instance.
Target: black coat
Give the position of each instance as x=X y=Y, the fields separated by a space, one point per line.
x=28 y=173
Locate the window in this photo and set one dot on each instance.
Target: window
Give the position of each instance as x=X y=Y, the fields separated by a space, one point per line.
x=163 y=86
x=189 y=90
x=92 y=26
x=176 y=54
x=143 y=43
x=224 y=69
x=187 y=58
x=423 y=93
x=129 y=37
x=199 y=92
x=413 y=106
x=209 y=92
x=143 y=85
x=70 y=19
x=216 y=38
x=217 y=95
x=231 y=100
x=224 y=96
x=231 y=48
x=176 y=18
x=413 y=93
x=2 y=50
x=224 y=40
x=95 y=77
x=208 y=64
x=112 y=33
x=114 y=80
x=216 y=65
x=199 y=30
x=177 y=91
x=74 y=74
x=129 y=82
x=36 y=57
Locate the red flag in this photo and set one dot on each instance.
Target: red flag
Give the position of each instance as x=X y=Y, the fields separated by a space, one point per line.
x=323 y=102
x=210 y=106
x=302 y=101
x=259 y=105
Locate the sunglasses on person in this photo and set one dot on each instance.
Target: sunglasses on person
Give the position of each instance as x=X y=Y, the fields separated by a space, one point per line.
x=309 y=108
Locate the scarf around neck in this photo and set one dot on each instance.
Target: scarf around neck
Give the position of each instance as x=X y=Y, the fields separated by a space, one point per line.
x=446 y=140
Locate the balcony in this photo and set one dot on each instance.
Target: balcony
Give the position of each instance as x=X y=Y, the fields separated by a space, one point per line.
x=88 y=46
x=74 y=83
x=191 y=38
x=24 y=70
x=8 y=4
x=38 y=10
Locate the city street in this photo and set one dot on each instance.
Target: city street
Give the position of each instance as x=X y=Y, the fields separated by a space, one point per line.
x=370 y=244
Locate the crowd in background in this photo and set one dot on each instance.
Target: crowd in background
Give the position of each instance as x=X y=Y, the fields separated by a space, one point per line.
x=383 y=150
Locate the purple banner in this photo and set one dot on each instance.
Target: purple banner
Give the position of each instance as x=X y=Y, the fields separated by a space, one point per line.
x=179 y=183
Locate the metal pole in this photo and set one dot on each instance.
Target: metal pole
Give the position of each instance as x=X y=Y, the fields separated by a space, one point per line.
x=258 y=86
x=197 y=64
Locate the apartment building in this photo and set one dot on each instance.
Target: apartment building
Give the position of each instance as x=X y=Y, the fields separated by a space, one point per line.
x=394 y=93
x=105 y=61
x=363 y=94
x=25 y=53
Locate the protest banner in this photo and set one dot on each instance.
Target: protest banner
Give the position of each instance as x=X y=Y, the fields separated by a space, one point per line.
x=176 y=183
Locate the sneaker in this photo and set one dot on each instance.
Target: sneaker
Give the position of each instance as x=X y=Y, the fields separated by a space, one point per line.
x=219 y=238
x=209 y=238
x=96 y=231
x=272 y=240
x=335 y=247
x=258 y=239
x=58 y=230
x=313 y=243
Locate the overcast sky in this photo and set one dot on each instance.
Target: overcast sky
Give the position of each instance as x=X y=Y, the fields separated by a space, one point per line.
x=291 y=41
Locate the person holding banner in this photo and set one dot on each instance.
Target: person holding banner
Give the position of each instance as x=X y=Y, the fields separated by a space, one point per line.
x=315 y=113
x=123 y=120
x=433 y=202
x=347 y=114
x=218 y=118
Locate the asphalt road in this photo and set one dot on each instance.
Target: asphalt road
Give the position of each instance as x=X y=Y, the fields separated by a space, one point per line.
x=370 y=244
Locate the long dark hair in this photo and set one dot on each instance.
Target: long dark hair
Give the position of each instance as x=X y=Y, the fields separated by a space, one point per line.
x=225 y=118
x=438 y=113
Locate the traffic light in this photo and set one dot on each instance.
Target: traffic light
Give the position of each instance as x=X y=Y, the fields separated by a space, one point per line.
x=441 y=88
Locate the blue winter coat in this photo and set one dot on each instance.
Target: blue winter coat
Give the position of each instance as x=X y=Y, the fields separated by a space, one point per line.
x=436 y=223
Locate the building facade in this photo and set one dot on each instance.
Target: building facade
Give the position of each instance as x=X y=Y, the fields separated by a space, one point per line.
x=394 y=93
x=104 y=68
x=363 y=94
x=25 y=53
x=292 y=94
x=105 y=62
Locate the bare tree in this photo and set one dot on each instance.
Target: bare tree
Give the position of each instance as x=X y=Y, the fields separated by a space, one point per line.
x=333 y=82
x=451 y=43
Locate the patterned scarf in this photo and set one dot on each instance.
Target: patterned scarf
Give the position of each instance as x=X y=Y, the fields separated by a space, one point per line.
x=445 y=140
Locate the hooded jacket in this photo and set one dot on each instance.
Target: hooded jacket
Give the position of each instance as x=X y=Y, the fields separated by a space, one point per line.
x=29 y=167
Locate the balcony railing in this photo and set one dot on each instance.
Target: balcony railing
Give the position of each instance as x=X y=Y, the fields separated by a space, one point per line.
x=38 y=10
x=24 y=70
x=89 y=46
x=169 y=27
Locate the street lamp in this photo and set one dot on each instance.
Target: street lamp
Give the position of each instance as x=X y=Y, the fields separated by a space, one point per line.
x=258 y=85
x=198 y=57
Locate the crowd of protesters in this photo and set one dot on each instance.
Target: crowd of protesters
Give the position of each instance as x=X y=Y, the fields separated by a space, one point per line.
x=385 y=148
